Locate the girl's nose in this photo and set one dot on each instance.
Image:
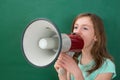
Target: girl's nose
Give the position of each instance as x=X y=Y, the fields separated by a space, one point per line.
x=78 y=32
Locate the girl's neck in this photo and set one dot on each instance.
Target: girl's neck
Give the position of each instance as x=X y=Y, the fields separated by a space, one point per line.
x=86 y=57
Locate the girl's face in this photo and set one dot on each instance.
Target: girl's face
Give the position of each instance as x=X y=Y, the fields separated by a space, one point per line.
x=84 y=27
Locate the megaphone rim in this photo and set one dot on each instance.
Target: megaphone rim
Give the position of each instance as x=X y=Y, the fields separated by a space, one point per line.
x=59 y=38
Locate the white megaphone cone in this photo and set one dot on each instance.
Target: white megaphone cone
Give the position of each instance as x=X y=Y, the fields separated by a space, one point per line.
x=42 y=43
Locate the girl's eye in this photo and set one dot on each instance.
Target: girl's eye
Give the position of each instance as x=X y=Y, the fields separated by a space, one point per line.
x=75 y=27
x=85 y=28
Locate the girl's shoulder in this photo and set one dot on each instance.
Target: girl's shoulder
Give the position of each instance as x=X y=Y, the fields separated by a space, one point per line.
x=108 y=66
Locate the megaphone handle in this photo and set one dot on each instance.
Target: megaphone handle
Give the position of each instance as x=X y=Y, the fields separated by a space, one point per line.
x=61 y=71
x=70 y=53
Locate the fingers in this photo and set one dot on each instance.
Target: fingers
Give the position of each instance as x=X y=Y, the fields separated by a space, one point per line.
x=60 y=70
x=58 y=65
x=64 y=61
x=65 y=58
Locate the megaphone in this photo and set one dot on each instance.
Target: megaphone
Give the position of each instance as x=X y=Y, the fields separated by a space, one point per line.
x=42 y=42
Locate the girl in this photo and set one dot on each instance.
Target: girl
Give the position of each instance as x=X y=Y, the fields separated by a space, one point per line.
x=93 y=62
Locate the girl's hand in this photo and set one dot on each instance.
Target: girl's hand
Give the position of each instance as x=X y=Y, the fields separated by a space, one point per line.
x=68 y=63
x=62 y=76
